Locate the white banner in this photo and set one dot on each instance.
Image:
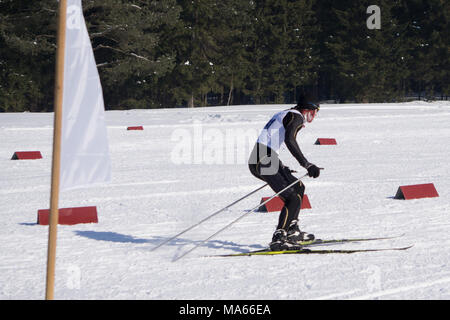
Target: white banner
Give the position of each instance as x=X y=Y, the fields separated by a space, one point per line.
x=84 y=147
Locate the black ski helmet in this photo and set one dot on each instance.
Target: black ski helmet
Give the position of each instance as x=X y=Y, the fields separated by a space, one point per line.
x=307 y=101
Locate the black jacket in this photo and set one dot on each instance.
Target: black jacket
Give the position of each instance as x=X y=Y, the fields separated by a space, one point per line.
x=292 y=123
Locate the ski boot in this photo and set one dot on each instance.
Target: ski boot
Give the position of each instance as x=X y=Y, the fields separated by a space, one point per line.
x=280 y=242
x=294 y=235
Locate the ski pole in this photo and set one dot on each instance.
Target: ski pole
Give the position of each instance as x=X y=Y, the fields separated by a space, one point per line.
x=212 y=215
x=242 y=216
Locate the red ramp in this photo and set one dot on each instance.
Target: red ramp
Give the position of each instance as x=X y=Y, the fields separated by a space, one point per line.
x=26 y=155
x=70 y=216
x=416 y=191
x=326 y=141
x=276 y=204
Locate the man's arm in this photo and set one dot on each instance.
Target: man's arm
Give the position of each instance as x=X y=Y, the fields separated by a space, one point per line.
x=293 y=122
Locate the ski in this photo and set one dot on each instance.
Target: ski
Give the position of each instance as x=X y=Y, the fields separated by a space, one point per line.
x=311 y=251
x=319 y=242
x=333 y=241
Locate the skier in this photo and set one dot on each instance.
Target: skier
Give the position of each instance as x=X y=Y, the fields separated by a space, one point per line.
x=265 y=165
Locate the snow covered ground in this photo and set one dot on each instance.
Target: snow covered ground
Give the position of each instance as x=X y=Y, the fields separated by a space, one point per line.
x=170 y=176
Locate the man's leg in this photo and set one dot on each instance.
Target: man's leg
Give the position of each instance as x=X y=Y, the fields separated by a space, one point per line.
x=292 y=198
x=294 y=234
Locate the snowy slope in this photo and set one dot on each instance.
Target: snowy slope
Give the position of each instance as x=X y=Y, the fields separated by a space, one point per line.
x=159 y=189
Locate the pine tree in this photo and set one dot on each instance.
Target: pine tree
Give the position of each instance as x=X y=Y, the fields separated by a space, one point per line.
x=27 y=46
x=194 y=49
x=230 y=31
x=302 y=54
x=125 y=36
x=426 y=37
x=282 y=48
x=408 y=53
x=357 y=62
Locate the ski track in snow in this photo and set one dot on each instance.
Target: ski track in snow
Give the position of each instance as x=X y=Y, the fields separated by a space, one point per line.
x=380 y=147
x=402 y=289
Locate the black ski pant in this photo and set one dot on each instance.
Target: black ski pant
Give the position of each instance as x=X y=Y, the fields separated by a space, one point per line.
x=264 y=164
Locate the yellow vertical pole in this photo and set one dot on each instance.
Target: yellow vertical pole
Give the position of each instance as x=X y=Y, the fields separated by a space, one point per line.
x=56 y=160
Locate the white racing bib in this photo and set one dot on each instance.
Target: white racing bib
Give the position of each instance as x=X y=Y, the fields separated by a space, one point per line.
x=274 y=132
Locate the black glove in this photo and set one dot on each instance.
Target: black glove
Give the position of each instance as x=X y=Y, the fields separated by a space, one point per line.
x=313 y=171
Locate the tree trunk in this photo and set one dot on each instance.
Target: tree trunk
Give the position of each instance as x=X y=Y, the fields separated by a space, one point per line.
x=230 y=93
x=191 y=102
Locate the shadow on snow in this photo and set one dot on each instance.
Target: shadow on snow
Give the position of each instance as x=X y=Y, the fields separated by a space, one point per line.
x=123 y=238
